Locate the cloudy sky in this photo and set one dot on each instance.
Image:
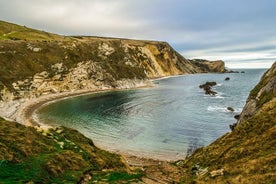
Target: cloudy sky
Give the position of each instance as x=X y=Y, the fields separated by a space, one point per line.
x=240 y=32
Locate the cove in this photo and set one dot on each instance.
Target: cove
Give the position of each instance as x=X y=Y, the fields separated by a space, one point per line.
x=166 y=122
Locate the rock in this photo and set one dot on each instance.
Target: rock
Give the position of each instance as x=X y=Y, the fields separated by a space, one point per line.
x=227 y=78
x=230 y=109
x=215 y=173
x=207 y=87
x=232 y=127
x=210 y=84
x=237 y=117
x=208 y=91
x=214 y=66
x=36 y=49
x=231 y=71
x=242 y=72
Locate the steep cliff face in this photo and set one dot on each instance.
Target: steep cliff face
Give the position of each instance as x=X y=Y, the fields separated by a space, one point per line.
x=34 y=62
x=248 y=153
x=207 y=66
x=261 y=94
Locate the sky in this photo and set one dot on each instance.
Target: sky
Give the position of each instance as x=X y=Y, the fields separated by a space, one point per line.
x=240 y=32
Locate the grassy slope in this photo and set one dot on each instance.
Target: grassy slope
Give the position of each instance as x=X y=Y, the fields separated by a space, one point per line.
x=55 y=156
x=9 y=31
x=248 y=154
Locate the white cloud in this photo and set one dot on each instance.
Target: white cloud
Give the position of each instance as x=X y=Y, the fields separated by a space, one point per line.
x=210 y=29
x=260 y=64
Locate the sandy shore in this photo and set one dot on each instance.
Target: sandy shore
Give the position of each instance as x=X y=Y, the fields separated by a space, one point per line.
x=22 y=110
x=25 y=113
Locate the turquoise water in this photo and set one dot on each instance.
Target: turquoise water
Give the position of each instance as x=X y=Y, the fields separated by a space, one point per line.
x=165 y=122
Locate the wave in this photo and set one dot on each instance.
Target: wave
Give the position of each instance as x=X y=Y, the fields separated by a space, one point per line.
x=217 y=109
x=218 y=95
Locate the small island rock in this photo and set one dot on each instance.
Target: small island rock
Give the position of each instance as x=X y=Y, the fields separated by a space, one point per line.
x=230 y=109
x=208 y=88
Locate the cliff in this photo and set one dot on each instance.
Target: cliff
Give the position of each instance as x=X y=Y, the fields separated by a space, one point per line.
x=248 y=153
x=35 y=63
x=262 y=93
x=207 y=66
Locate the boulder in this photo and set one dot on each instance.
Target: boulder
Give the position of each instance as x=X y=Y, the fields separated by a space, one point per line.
x=210 y=84
x=237 y=117
x=215 y=173
x=210 y=92
x=230 y=109
x=232 y=127
x=227 y=78
x=207 y=87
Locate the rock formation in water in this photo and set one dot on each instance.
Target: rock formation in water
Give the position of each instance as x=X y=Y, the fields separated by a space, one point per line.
x=248 y=153
x=207 y=87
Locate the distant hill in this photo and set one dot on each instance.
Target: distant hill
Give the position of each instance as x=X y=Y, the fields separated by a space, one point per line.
x=9 y=31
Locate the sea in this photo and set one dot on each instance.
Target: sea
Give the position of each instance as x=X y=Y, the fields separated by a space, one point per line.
x=165 y=122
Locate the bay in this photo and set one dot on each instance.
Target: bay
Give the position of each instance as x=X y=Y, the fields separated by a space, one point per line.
x=165 y=122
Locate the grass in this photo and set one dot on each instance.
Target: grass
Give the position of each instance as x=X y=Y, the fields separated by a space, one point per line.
x=27 y=155
x=9 y=31
x=117 y=177
x=264 y=96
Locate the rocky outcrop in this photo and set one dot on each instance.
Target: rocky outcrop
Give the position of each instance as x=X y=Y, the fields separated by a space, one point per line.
x=207 y=87
x=262 y=93
x=210 y=66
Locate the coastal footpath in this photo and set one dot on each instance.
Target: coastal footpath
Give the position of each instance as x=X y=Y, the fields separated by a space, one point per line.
x=37 y=64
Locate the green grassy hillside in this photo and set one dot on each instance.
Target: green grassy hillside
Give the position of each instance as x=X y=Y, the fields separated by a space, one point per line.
x=60 y=155
x=9 y=31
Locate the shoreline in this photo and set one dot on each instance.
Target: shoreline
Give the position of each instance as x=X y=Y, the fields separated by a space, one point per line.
x=28 y=111
x=24 y=113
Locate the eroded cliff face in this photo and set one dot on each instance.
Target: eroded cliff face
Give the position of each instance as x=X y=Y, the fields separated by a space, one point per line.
x=262 y=93
x=33 y=68
x=207 y=66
